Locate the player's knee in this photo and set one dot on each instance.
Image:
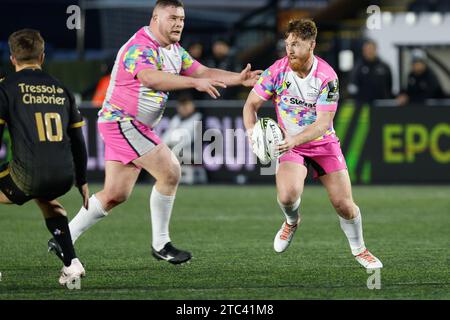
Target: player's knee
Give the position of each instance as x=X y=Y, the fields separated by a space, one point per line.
x=288 y=198
x=55 y=212
x=61 y=213
x=173 y=175
x=115 y=198
x=58 y=209
x=345 y=207
x=51 y=209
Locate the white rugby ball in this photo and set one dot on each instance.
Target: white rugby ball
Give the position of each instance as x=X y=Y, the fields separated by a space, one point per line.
x=266 y=136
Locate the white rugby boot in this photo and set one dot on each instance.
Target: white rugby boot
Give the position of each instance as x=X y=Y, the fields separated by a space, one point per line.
x=284 y=236
x=368 y=260
x=72 y=273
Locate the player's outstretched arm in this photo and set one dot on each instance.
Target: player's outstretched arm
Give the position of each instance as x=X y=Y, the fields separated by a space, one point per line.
x=247 y=77
x=315 y=130
x=79 y=154
x=163 y=81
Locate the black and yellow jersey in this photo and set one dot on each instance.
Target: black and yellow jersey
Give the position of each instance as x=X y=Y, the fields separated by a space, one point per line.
x=39 y=112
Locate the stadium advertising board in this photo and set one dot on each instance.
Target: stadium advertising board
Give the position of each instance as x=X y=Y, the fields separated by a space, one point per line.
x=410 y=144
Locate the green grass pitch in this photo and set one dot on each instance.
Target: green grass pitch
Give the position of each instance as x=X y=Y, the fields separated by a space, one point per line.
x=230 y=231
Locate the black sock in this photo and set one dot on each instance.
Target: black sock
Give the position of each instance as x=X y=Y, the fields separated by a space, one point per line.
x=59 y=228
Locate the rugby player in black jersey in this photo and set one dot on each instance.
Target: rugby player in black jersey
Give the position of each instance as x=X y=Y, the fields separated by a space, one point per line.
x=48 y=147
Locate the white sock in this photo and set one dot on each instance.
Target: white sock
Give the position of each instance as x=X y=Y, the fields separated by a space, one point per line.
x=353 y=230
x=86 y=218
x=161 y=210
x=290 y=212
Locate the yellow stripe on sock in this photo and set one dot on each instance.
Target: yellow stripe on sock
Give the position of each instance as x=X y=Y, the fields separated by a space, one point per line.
x=4 y=173
x=77 y=125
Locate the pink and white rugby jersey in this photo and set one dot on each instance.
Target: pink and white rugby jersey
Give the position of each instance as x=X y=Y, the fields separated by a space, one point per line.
x=126 y=98
x=297 y=100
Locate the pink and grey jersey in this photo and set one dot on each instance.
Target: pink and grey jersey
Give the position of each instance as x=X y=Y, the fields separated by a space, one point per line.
x=298 y=100
x=126 y=98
